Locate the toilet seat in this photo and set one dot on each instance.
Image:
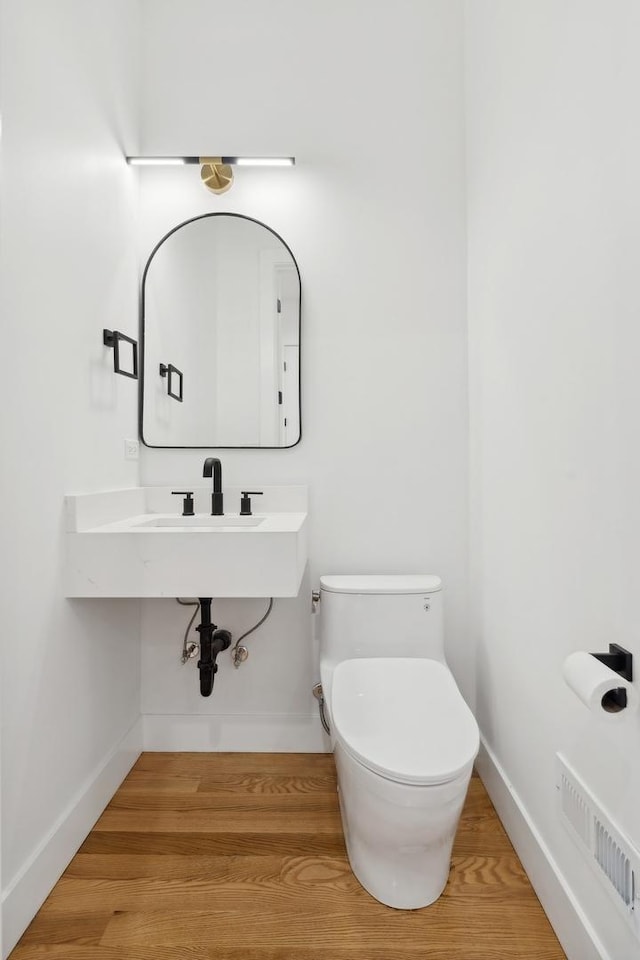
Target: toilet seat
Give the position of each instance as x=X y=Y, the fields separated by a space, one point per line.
x=404 y=719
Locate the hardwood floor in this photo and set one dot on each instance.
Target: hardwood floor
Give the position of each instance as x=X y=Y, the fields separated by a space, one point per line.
x=241 y=857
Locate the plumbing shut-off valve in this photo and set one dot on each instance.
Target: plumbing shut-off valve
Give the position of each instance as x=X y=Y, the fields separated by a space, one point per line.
x=240 y=654
x=190 y=652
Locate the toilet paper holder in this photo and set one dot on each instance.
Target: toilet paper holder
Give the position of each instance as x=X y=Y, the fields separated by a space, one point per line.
x=620 y=661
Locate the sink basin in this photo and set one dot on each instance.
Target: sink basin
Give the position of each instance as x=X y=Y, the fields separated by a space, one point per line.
x=128 y=544
x=202 y=523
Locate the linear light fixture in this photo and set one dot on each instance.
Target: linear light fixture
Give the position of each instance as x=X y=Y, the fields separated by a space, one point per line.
x=157 y=161
x=260 y=161
x=215 y=172
x=231 y=161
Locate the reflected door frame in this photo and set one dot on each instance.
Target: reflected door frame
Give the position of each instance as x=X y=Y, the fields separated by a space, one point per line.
x=271 y=348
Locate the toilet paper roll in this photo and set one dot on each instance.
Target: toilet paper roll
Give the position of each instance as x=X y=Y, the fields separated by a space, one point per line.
x=591 y=682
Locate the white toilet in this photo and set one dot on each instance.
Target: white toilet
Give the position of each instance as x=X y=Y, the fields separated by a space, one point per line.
x=403 y=737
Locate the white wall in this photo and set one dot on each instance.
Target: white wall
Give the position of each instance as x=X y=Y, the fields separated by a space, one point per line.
x=369 y=99
x=554 y=300
x=70 y=683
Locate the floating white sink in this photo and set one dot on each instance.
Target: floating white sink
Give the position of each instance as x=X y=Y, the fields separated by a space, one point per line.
x=120 y=544
x=203 y=523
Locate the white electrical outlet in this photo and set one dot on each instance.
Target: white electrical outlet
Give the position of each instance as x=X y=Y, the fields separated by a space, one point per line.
x=131 y=449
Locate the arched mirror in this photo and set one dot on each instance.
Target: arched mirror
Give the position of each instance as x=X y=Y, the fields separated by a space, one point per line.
x=220 y=337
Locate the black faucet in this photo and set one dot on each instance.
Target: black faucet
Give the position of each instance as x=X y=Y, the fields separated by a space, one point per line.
x=213 y=468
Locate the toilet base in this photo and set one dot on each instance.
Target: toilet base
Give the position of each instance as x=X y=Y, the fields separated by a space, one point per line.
x=399 y=836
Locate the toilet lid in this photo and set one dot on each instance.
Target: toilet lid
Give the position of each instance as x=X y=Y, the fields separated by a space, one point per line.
x=391 y=583
x=403 y=718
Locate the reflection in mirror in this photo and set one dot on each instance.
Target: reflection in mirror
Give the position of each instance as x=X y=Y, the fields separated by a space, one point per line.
x=221 y=298
x=175 y=381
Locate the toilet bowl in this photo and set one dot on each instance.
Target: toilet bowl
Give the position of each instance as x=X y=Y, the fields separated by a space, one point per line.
x=403 y=737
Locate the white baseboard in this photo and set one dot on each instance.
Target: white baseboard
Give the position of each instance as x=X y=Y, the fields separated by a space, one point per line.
x=575 y=933
x=26 y=893
x=262 y=734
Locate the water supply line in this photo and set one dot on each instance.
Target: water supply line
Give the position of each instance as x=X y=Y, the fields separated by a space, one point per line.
x=239 y=654
x=319 y=695
x=189 y=650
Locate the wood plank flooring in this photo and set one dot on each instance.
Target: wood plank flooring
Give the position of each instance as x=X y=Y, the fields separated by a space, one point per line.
x=241 y=857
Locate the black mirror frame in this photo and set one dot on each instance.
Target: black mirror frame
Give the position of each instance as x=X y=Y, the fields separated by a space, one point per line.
x=152 y=446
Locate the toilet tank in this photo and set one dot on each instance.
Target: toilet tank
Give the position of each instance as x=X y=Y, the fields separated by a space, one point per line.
x=380 y=616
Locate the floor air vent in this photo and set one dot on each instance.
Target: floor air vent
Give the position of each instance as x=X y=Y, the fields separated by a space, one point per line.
x=614 y=858
x=614 y=863
x=575 y=809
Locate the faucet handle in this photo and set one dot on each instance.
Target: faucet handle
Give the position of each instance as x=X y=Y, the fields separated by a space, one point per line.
x=245 y=502
x=187 y=503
